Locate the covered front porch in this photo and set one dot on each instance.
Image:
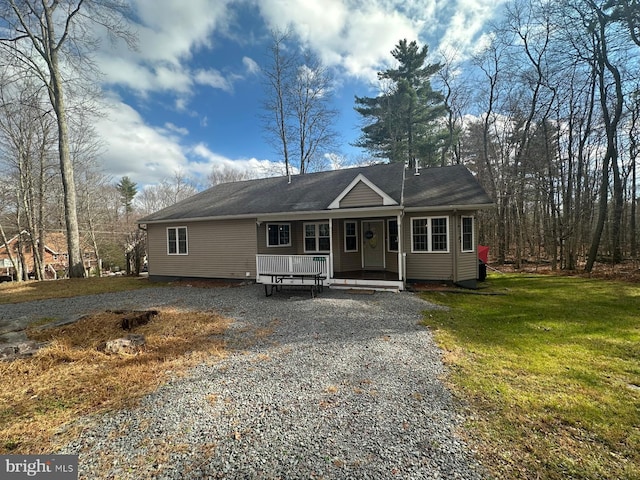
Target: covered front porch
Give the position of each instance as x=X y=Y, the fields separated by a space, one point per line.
x=346 y=251
x=307 y=270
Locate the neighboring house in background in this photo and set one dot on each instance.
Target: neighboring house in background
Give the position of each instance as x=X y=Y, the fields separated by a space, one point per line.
x=377 y=226
x=55 y=257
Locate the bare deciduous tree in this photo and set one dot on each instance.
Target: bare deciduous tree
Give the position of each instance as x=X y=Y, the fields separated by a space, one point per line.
x=46 y=37
x=169 y=191
x=298 y=90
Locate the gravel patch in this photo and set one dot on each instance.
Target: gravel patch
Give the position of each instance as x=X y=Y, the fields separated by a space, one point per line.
x=340 y=386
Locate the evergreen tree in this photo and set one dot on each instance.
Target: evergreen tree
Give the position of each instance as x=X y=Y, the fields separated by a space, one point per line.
x=127 y=190
x=402 y=123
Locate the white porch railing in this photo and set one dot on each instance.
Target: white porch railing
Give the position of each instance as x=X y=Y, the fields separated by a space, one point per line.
x=281 y=264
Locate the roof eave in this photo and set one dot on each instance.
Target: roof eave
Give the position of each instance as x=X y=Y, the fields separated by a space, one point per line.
x=338 y=213
x=463 y=207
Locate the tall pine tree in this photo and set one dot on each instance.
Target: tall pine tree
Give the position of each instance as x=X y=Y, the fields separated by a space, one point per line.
x=127 y=190
x=402 y=124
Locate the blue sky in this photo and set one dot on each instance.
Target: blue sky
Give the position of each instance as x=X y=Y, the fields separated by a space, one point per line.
x=189 y=98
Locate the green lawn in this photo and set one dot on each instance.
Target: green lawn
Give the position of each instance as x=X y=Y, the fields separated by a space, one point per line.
x=550 y=371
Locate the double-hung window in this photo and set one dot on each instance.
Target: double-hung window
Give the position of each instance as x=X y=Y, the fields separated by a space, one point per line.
x=278 y=235
x=316 y=237
x=468 y=243
x=177 y=243
x=350 y=236
x=430 y=234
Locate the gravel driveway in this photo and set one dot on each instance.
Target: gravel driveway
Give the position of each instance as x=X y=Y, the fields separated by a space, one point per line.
x=345 y=386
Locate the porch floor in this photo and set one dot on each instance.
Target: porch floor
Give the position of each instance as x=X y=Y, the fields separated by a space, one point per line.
x=367 y=275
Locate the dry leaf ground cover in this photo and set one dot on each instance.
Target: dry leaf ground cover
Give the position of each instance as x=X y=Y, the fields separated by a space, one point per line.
x=551 y=374
x=42 y=396
x=14 y=292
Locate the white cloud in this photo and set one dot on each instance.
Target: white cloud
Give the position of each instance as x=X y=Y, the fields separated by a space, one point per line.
x=213 y=78
x=464 y=31
x=250 y=65
x=356 y=35
x=174 y=128
x=137 y=150
x=262 y=168
x=168 y=33
x=169 y=30
x=149 y=154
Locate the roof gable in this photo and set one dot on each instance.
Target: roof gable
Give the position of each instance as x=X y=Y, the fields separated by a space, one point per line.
x=361 y=179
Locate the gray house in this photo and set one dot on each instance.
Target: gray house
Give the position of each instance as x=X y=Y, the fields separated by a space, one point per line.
x=375 y=227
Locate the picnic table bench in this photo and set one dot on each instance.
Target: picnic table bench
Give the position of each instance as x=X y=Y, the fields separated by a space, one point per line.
x=278 y=280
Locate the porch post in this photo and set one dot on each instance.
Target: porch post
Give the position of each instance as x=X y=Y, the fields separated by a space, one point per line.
x=330 y=266
x=400 y=262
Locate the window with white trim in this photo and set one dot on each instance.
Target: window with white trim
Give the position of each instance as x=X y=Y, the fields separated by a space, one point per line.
x=467 y=234
x=278 y=234
x=316 y=237
x=350 y=236
x=392 y=234
x=430 y=234
x=177 y=241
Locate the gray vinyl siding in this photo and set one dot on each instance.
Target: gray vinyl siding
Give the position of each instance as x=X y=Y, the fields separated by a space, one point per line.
x=350 y=261
x=345 y=261
x=428 y=266
x=297 y=239
x=391 y=261
x=296 y=235
x=468 y=266
x=220 y=249
x=361 y=195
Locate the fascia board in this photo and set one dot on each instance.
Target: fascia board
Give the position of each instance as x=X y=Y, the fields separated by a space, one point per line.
x=342 y=213
x=439 y=208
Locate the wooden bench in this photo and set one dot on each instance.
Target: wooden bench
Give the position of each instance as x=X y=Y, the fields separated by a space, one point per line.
x=277 y=281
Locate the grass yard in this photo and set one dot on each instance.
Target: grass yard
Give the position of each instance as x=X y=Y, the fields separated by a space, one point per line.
x=550 y=372
x=16 y=292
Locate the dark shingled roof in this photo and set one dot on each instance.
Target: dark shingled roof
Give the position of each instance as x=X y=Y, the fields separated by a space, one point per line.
x=441 y=186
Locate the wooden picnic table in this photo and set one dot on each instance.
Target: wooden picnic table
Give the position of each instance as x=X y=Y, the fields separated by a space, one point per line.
x=278 y=280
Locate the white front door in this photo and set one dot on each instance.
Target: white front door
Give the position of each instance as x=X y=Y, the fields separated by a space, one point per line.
x=373 y=244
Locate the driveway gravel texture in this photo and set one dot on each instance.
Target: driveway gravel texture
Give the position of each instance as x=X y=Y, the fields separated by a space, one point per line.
x=341 y=386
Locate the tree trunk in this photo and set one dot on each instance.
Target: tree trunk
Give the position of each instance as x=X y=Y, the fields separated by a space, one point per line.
x=634 y=195
x=56 y=94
